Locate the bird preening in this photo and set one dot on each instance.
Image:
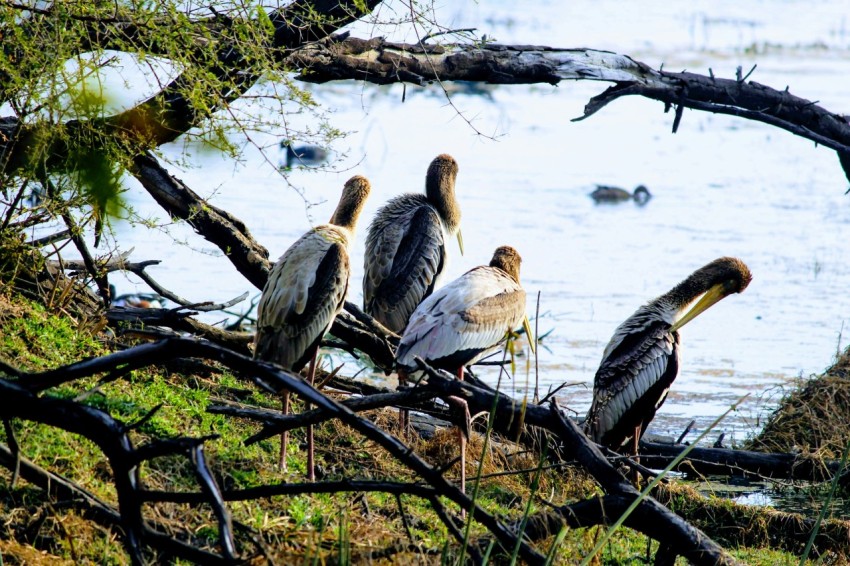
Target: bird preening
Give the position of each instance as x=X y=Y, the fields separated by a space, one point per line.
x=642 y=359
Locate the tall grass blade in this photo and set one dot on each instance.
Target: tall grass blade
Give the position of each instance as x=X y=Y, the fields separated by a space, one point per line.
x=535 y=483
x=643 y=494
x=476 y=485
x=553 y=550
x=825 y=507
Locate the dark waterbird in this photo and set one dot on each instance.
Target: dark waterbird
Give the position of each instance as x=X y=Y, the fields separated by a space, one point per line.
x=609 y=194
x=304 y=155
x=406 y=246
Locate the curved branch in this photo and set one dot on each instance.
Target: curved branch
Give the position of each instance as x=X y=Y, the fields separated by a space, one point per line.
x=383 y=62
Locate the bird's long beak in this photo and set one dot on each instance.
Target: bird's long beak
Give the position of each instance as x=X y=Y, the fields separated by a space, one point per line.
x=531 y=339
x=460 y=241
x=709 y=298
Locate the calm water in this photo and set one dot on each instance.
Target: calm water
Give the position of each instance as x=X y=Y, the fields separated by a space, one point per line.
x=721 y=186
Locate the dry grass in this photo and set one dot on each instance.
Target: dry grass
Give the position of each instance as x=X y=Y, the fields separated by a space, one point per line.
x=813 y=419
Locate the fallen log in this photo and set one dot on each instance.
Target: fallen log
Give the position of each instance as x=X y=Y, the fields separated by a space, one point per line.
x=726 y=462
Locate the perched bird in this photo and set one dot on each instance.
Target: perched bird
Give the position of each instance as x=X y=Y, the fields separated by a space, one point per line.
x=406 y=246
x=642 y=359
x=306 y=155
x=305 y=291
x=608 y=194
x=464 y=321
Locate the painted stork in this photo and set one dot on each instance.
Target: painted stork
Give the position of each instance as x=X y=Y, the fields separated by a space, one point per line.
x=406 y=246
x=464 y=321
x=305 y=291
x=642 y=359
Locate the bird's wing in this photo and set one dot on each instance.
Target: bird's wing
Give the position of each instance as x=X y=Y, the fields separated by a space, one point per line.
x=405 y=254
x=632 y=382
x=464 y=319
x=305 y=291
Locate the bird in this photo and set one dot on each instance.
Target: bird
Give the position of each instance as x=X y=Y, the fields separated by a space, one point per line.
x=464 y=321
x=641 y=361
x=306 y=155
x=608 y=194
x=406 y=246
x=305 y=291
x=138 y=300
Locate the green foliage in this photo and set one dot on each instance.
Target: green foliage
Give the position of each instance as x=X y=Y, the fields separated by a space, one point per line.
x=84 y=78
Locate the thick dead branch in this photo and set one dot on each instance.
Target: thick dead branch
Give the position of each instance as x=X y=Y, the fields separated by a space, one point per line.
x=684 y=538
x=173 y=111
x=275 y=422
x=382 y=62
x=214 y=224
x=111 y=437
x=178 y=319
x=721 y=461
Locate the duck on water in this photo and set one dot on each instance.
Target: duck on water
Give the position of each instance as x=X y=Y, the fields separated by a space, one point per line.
x=609 y=194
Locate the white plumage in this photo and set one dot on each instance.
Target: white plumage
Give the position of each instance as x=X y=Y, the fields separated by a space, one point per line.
x=462 y=322
x=471 y=314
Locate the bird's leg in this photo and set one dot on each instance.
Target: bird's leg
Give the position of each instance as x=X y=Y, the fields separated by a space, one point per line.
x=635 y=456
x=284 y=436
x=403 y=416
x=311 y=467
x=462 y=433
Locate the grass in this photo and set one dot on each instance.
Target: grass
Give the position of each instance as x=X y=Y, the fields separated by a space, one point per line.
x=324 y=528
x=814 y=417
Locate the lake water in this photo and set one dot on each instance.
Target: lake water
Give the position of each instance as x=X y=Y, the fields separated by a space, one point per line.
x=721 y=186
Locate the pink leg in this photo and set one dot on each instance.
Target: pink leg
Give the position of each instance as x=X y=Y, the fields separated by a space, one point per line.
x=463 y=440
x=403 y=418
x=284 y=436
x=311 y=467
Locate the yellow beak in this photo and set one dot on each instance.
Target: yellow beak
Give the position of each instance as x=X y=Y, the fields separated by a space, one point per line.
x=711 y=296
x=460 y=241
x=531 y=340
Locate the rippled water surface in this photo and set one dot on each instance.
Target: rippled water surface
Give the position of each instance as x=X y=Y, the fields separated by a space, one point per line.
x=721 y=186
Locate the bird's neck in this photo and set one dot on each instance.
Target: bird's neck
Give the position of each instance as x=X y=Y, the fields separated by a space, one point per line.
x=441 y=195
x=346 y=214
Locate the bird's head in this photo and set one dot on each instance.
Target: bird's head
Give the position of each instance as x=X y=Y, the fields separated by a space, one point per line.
x=708 y=285
x=354 y=195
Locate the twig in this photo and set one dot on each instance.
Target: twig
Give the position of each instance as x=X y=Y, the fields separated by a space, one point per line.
x=685 y=432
